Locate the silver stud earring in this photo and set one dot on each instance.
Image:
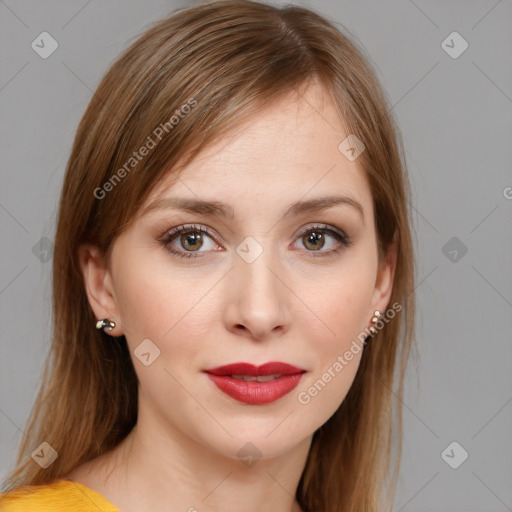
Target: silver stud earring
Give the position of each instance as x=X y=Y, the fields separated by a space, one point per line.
x=106 y=324
x=375 y=319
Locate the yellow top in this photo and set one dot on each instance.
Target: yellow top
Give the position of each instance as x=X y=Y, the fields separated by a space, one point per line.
x=59 y=496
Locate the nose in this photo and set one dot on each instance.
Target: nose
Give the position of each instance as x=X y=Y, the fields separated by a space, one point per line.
x=257 y=305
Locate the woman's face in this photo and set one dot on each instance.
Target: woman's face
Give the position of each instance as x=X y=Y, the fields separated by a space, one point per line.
x=264 y=283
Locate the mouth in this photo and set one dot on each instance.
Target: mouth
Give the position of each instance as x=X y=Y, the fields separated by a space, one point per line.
x=256 y=385
x=273 y=369
x=258 y=378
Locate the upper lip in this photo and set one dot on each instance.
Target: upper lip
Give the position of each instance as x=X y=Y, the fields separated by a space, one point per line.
x=273 y=368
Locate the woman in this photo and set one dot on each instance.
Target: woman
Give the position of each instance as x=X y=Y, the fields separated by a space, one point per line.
x=233 y=279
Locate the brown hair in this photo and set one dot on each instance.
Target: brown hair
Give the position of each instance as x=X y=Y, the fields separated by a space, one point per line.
x=225 y=59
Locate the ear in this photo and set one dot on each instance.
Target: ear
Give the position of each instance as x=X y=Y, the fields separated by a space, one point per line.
x=385 y=278
x=99 y=287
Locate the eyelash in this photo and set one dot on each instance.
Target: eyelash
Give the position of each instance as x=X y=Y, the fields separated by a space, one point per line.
x=343 y=240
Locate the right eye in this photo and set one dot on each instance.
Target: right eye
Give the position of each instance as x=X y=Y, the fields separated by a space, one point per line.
x=188 y=237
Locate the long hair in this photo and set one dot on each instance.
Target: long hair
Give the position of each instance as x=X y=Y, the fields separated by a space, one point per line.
x=181 y=85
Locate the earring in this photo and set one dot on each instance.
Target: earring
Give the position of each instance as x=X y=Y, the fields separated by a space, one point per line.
x=105 y=323
x=375 y=319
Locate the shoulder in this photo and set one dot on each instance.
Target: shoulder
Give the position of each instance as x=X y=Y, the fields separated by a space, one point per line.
x=61 y=495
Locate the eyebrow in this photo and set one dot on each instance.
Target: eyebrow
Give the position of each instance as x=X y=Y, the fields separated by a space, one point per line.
x=217 y=208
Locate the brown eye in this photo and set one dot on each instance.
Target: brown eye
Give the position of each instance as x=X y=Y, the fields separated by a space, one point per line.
x=314 y=240
x=184 y=241
x=191 y=241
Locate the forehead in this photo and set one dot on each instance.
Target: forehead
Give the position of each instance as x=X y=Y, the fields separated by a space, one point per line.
x=286 y=151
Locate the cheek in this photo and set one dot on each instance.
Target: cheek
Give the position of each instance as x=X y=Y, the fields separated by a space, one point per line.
x=148 y=295
x=143 y=299
x=343 y=302
x=338 y=341
x=162 y=305
x=323 y=392
x=336 y=352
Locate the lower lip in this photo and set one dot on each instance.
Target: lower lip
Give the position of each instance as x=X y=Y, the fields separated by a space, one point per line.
x=255 y=392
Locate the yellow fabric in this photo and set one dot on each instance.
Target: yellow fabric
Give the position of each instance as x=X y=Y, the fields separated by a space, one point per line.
x=60 y=496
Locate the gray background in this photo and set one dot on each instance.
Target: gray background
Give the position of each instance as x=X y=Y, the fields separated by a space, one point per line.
x=455 y=116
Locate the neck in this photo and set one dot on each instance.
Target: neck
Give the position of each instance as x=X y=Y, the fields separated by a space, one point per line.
x=160 y=467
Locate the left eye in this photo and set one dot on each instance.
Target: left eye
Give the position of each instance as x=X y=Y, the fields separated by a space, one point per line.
x=313 y=236
x=191 y=239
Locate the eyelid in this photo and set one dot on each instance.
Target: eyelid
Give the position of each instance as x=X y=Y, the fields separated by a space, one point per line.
x=201 y=228
x=313 y=226
x=343 y=240
x=212 y=233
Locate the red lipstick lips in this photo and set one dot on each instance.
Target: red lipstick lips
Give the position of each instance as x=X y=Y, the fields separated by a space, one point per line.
x=249 y=369
x=256 y=384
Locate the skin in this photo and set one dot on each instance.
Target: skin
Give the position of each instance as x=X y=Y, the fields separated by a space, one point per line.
x=288 y=305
